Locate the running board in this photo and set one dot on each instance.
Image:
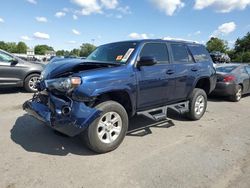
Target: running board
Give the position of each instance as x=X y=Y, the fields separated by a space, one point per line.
x=159 y=114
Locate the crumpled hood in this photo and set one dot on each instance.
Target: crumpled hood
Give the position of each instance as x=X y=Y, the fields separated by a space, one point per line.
x=67 y=67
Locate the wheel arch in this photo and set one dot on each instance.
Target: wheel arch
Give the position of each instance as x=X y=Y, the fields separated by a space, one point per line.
x=30 y=73
x=121 y=96
x=203 y=83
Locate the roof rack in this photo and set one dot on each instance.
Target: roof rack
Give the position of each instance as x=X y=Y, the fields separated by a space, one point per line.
x=179 y=40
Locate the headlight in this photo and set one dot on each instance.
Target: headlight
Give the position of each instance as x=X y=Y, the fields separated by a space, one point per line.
x=63 y=84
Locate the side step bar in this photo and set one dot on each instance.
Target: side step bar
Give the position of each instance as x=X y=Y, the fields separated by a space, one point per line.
x=158 y=114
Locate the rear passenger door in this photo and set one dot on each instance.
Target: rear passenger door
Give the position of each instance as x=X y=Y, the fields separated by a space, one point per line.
x=185 y=71
x=154 y=82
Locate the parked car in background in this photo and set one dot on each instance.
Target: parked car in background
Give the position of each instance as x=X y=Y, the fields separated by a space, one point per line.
x=30 y=59
x=96 y=96
x=233 y=80
x=219 y=57
x=15 y=72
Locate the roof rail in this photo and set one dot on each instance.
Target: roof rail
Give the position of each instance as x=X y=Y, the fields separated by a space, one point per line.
x=179 y=39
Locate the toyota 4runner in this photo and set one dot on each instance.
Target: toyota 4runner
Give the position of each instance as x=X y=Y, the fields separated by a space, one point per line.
x=96 y=97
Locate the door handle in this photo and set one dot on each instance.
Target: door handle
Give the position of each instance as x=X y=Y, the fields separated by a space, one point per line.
x=170 y=72
x=194 y=69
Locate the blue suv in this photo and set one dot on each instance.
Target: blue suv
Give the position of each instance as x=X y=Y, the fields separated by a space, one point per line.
x=96 y=97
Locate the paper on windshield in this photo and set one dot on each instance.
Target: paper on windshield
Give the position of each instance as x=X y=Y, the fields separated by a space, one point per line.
x=127 y=55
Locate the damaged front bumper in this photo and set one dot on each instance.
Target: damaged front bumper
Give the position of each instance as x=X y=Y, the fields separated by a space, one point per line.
x=61 y=113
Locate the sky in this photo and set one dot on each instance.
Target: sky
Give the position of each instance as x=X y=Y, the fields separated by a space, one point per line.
x=66 y=24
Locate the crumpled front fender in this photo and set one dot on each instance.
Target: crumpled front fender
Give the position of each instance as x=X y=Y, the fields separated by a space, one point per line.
x=79 y=118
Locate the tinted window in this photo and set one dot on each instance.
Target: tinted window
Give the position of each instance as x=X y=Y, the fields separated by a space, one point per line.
x=116 y=52
x=156 y=50
x=226 y=69
x=199 y=52
x=180 y=54
x=4 y=57
x=248 y=69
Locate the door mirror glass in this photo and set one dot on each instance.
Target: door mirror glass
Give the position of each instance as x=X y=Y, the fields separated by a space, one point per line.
x=146 y=61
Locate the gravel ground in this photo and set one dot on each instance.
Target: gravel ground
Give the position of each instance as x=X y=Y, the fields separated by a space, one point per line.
x=212 y=152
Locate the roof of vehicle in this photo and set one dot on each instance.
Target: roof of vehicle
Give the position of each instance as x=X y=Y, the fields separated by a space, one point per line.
x=159 y=40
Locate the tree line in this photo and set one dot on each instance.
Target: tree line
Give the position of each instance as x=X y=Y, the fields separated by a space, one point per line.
x=21 y=48
x=239 y=53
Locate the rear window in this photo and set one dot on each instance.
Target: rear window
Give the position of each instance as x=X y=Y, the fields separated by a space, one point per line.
x=200 y=53
x=226 y=69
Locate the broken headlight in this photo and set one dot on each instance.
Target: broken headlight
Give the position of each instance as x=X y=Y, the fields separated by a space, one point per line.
x=63 y=84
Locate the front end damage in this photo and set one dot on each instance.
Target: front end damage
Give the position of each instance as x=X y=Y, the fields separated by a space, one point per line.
x=61 y=113
x=59 y=103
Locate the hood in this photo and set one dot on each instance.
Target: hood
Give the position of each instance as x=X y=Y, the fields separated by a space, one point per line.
x=68 y=67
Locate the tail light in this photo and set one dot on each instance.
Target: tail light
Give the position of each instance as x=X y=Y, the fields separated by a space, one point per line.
x=229 y=78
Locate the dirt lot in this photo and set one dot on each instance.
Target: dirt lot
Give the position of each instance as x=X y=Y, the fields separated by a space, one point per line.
x=212 y=152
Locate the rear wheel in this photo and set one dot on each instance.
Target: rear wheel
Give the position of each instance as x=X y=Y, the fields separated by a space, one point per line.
x=108 y=131
x=197 y=104
x=30 y=83
x=238 y=94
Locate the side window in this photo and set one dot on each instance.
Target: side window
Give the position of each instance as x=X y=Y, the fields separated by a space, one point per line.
x=200 y=53
x=181 y=54
x=156 y=50
x=5 y=58
x=248 y=69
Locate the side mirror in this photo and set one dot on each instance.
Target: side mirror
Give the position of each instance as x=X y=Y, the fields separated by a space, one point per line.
x=13 y=61
x=146 y=61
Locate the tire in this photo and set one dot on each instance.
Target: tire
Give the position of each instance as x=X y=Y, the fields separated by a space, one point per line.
x=110 y=134
x=28 y=85
x=238 y=94
x=197 y=104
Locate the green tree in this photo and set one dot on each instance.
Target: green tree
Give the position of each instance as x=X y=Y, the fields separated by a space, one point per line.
x=41 y=49
x=75 y=52
x=21 y=48
x=60 y=53
x=11 y=47
x=66 y=53
x=3 y=46
x=86 y=49
x=243 y=44
x=216 y=44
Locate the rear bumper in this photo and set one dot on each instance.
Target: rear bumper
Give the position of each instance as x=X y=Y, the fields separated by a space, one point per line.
x=224 y=89
x=72 y=124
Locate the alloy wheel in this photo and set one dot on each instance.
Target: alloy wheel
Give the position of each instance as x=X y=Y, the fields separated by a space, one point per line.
x=199 y=105
x=109 y=127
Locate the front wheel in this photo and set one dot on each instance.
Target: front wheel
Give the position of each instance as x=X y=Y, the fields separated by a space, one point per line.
x=107 y=132
x=197 y=104
x=30 y=83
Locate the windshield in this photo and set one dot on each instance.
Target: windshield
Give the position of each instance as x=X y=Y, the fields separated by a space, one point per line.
x=226 y=69
x=114 y=53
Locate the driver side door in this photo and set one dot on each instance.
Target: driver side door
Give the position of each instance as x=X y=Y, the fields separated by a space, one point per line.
x=155 y=83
